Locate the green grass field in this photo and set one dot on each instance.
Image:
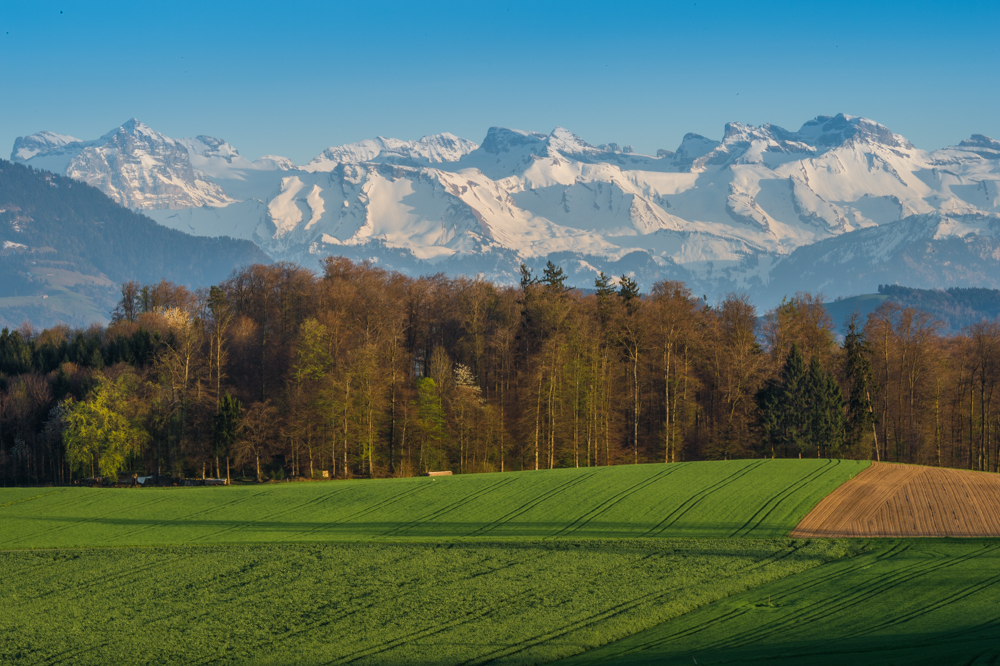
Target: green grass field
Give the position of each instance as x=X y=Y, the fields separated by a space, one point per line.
x=390 y=603
x=757 y=498
x=907 y=601
x=659 y=564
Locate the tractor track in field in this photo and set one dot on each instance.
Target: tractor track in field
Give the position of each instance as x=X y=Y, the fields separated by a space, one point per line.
x=28 y=499
x=181 y=519
x=320 y=499
x=758 y=518
x=415 y=584
x=610 y=502
x=72 y=522
x=371 y=509
x=820 y=608
x=458 y=503
x=696 y=498
x=734 y=613
x=531 y=504
x=596 y=618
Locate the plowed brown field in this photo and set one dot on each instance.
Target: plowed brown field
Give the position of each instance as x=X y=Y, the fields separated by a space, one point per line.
x=888 y=500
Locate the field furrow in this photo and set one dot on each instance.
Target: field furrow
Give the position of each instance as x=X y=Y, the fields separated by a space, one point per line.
x=890 y=500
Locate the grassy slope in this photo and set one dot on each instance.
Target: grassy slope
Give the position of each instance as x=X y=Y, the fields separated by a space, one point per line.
x=931 y=601
x=386 y=603
x=378 y=592
x=756 y=498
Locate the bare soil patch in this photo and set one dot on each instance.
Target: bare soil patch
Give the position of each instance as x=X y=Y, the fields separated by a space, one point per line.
x=889 y=500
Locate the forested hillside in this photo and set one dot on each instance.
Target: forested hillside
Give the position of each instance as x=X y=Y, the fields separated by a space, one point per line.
x=956 y=308
x=362 y=372
x=65 y=247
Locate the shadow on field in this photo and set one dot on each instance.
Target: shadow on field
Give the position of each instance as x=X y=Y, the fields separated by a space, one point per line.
x=117 y=529
x=896 y=601
x=968 y=644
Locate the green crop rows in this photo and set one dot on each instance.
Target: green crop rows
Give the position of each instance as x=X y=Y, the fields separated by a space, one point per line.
x=384 y=603
x=762 y=498
x=908 y=601
x=661 y=564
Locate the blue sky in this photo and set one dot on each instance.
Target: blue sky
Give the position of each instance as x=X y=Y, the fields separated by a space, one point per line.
x=291 y=78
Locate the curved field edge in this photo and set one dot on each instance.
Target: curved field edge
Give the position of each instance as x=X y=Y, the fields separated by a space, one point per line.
x=905 y=601
x=723 y=499
x=894 y=500
x=369 y=603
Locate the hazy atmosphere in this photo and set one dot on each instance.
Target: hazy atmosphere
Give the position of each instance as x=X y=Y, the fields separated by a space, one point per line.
x=293 y=78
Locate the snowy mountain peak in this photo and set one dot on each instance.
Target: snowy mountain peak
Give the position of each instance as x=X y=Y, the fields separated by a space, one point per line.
x=215 y=157
x=692 y=147
x=273 y=163
x=772 y=145
x=209 y=146
x=503 y=140
x=445 y=147
x=133 y=164
x=720 y=213
x=831 y=131
x=136 y=128
x=982 y=145
x=564 y=141
x=27 y=147
x=430 y=149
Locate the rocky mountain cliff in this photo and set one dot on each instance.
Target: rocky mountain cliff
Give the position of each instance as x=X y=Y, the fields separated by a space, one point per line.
x=740 y=213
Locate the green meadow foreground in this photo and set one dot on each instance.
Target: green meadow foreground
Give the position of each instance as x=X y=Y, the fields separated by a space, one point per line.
x=906 y=601
x=409 y=603
x=630 y=564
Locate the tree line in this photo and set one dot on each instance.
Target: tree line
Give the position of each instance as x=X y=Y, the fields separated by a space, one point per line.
x=357 y=371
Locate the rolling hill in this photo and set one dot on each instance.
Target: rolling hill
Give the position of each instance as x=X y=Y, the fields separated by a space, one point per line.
x=629 y=564
x=67 y=247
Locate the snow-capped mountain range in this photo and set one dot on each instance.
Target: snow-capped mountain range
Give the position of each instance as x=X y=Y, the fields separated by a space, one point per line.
x=740 y=213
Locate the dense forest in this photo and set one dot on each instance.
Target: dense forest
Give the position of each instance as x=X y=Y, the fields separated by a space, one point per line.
x=279 y=372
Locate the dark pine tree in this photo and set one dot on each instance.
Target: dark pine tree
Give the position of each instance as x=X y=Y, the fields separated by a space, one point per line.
x=224 y=428
x=785 y=405
x=858 y=370
x=554 y=277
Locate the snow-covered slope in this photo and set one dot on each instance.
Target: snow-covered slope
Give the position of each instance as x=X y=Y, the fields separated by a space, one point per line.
x=721 y=214
x=428 y=150
x=928 y=251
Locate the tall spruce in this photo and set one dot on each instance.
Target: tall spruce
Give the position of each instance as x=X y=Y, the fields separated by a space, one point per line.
x=785 y=404
x=554 y=278
x=858 y=371
x=225 y=425
x=825 y=429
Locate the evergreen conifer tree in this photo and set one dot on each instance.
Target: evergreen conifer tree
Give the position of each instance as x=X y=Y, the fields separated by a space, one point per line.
x=554 y=277
x=603 y=287
x=628 y=290
x=527 y=279
x=858 y=368
x=224 y=428
x=826 y=411
x=785 y=405
x=836 y=422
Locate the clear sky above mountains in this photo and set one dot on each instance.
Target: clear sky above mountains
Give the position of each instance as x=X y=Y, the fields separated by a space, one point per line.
x=293 y=78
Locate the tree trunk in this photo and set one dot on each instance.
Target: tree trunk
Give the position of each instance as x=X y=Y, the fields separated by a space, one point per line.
x=538 y=413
